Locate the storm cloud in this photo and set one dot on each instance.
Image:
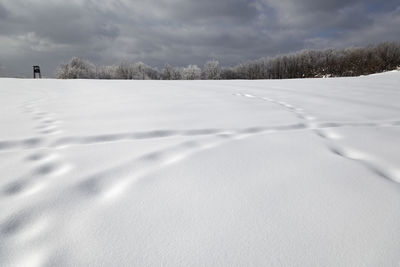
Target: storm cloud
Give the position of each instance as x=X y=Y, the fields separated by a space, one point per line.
x=182 y=32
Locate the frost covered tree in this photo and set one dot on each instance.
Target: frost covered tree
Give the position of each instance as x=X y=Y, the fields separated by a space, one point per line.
x=76 y=68
x=352 y=61
x=321 y=63
x=211 y=70
x=228 y=74
x=191 y=72
x=122 y=71
x=138 y=71
x=171 y=73
x=167 y=72
x=176 y=73
x=153 y=73
x=107 y=72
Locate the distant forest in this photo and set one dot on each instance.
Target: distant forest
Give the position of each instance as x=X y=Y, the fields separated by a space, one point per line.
x=353 y=61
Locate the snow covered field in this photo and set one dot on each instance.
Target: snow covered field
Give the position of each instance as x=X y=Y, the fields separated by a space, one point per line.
x=200 y=173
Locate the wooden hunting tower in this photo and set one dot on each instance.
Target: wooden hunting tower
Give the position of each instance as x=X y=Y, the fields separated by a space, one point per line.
x=36 y=69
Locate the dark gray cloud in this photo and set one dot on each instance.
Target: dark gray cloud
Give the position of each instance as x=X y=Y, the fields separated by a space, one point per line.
x=3 y=12
x=180 y=32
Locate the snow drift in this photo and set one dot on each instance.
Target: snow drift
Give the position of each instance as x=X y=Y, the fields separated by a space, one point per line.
x=206 y=173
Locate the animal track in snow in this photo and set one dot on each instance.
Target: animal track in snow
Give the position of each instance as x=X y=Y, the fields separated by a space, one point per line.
x=105 y=138
x=51 y=168
x=25 y=225
x=323 y=130
x=45 y=166
x=375 y=165
x=24 y=186
x=28 y=143
x=327 y=134
x=39 y=142
x=110 y=183
x=30 y=224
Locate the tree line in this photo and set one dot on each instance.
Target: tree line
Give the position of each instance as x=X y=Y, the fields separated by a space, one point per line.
x=303 y=64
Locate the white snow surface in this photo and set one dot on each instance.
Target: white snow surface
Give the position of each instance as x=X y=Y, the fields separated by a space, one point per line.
x=200 y=173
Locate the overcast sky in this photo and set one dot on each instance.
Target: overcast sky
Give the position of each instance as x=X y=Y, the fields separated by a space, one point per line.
x=182 y=32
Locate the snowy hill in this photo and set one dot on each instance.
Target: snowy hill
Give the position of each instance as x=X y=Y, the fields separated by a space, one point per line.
x=200 y=173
